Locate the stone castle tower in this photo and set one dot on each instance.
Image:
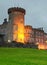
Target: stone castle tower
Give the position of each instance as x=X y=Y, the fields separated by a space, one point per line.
x=16 y=24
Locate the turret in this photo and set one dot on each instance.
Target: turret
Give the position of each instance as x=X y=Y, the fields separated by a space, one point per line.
x=16 y=21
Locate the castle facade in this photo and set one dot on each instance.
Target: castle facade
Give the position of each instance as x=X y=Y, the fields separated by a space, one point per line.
x=15 y=29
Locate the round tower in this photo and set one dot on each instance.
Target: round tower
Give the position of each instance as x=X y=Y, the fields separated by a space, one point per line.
x=16 y=24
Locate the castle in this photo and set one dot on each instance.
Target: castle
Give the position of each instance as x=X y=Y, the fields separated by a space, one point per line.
x=15 y=29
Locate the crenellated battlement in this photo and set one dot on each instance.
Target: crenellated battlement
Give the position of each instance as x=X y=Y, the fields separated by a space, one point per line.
x=16 y=9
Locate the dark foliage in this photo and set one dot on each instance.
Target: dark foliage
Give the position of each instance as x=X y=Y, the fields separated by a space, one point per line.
x=18 y=44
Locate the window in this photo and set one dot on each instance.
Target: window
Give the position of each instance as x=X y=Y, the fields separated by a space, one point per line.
x=15 y=27
x=21 y=20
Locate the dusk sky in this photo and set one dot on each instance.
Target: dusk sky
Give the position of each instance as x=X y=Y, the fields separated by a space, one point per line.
x=36 y=11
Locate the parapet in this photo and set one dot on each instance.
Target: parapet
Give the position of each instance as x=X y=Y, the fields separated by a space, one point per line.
x=14 y=9
x=28 y=27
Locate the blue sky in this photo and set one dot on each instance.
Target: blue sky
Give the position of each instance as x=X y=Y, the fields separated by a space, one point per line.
x=36 y=11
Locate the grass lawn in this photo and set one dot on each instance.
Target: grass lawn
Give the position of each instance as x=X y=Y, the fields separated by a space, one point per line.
x=22 y=56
